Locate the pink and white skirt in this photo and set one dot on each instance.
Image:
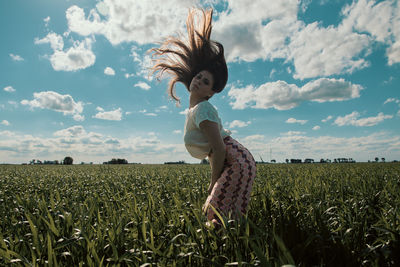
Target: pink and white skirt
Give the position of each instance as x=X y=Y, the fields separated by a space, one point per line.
x=230 y=195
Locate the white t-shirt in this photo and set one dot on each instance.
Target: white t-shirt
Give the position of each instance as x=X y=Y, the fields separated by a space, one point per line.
x=195 y=141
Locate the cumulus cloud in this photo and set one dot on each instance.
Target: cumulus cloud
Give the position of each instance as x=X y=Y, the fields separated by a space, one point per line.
x=87 y=146
x=242 y=34
x=316 y=127
x=381 y=20
x=79 y=56
x=301 y=146
x=184 y=112
x=109 y=71
x=239 y=124
x=282 y=96
x=128 y=75
x=16 y=57
x=390 y=100
x=143 y=85
x=46 y=21
x=353 y=119
x=143 y=62
x=316 y=51
x=9 y=89
x=291 y=133
x=130 y=21
x=274 y=31
x=5 y=122
x=177 y=131
x=293 y=120
x=113 y=115
x=74 y=131
x=327 y=119
x=57 y=102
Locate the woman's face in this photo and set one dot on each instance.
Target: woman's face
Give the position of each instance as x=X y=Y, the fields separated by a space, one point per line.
x=202 y=84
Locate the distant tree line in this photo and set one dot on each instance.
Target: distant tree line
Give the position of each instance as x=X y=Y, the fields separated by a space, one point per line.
x=116 y=161
x=175 y=162
x=67 y=161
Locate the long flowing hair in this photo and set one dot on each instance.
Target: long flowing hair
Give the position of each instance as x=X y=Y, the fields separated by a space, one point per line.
x=183 y=59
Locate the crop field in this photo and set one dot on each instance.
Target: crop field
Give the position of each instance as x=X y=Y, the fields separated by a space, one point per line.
x=150 y=215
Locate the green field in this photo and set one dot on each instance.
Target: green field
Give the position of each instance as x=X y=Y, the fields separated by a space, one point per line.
x=150 y=215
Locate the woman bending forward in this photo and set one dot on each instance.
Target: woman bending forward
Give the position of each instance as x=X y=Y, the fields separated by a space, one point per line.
x=199 y=64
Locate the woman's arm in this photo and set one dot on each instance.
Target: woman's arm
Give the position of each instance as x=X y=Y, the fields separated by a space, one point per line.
x=217 y=155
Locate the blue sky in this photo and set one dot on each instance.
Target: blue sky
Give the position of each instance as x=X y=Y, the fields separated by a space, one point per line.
x=307 y=79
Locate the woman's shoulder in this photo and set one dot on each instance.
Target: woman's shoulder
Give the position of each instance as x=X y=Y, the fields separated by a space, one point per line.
x=205 y=105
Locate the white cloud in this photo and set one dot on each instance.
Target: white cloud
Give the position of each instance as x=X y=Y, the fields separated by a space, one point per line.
x=96 y=147
x=151 y=114
x=317 y=51
x=142 y=85
x=46 y=21
x=109 y=71
x=144 y=63
x=353 y=119
x=5 y=122
x=79 y=56
x=129 y=20
x=327 y=118
x=16 y=57
x=177 y=131
x=282 y=96
x=12 y=103
x=9 y=89
x=113 y=115
x=274 y=31
x=184 y=112
x=56 y=41
x=316 y=127
x=74 y=131
x=57 y=102
x=239 y=123
x=300 y=146
x=380 y=19
x=389 y=100
x=243 y=35
x=370 y=16
x=293 y=120
x=128 y=75
x=291 y=133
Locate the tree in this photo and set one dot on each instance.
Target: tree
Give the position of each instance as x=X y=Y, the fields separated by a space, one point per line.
x=68 y=161
x=383 y=159
x=376 y=159
x=204 y=161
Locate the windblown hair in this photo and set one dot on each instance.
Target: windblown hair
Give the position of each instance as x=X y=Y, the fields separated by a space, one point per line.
x=183 y=59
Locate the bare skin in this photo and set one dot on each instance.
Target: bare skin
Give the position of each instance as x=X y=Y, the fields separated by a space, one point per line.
x=201 y=90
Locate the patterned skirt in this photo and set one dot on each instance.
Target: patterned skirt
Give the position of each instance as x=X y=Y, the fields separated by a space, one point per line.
x=231 y=193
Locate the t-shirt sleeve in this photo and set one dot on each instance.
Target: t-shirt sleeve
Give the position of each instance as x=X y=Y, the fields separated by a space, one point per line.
x=205 y=112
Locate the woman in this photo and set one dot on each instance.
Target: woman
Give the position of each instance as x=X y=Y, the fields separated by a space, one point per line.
x=199 y=64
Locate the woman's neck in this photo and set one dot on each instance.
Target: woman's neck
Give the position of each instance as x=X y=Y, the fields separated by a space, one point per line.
x=193 y=101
